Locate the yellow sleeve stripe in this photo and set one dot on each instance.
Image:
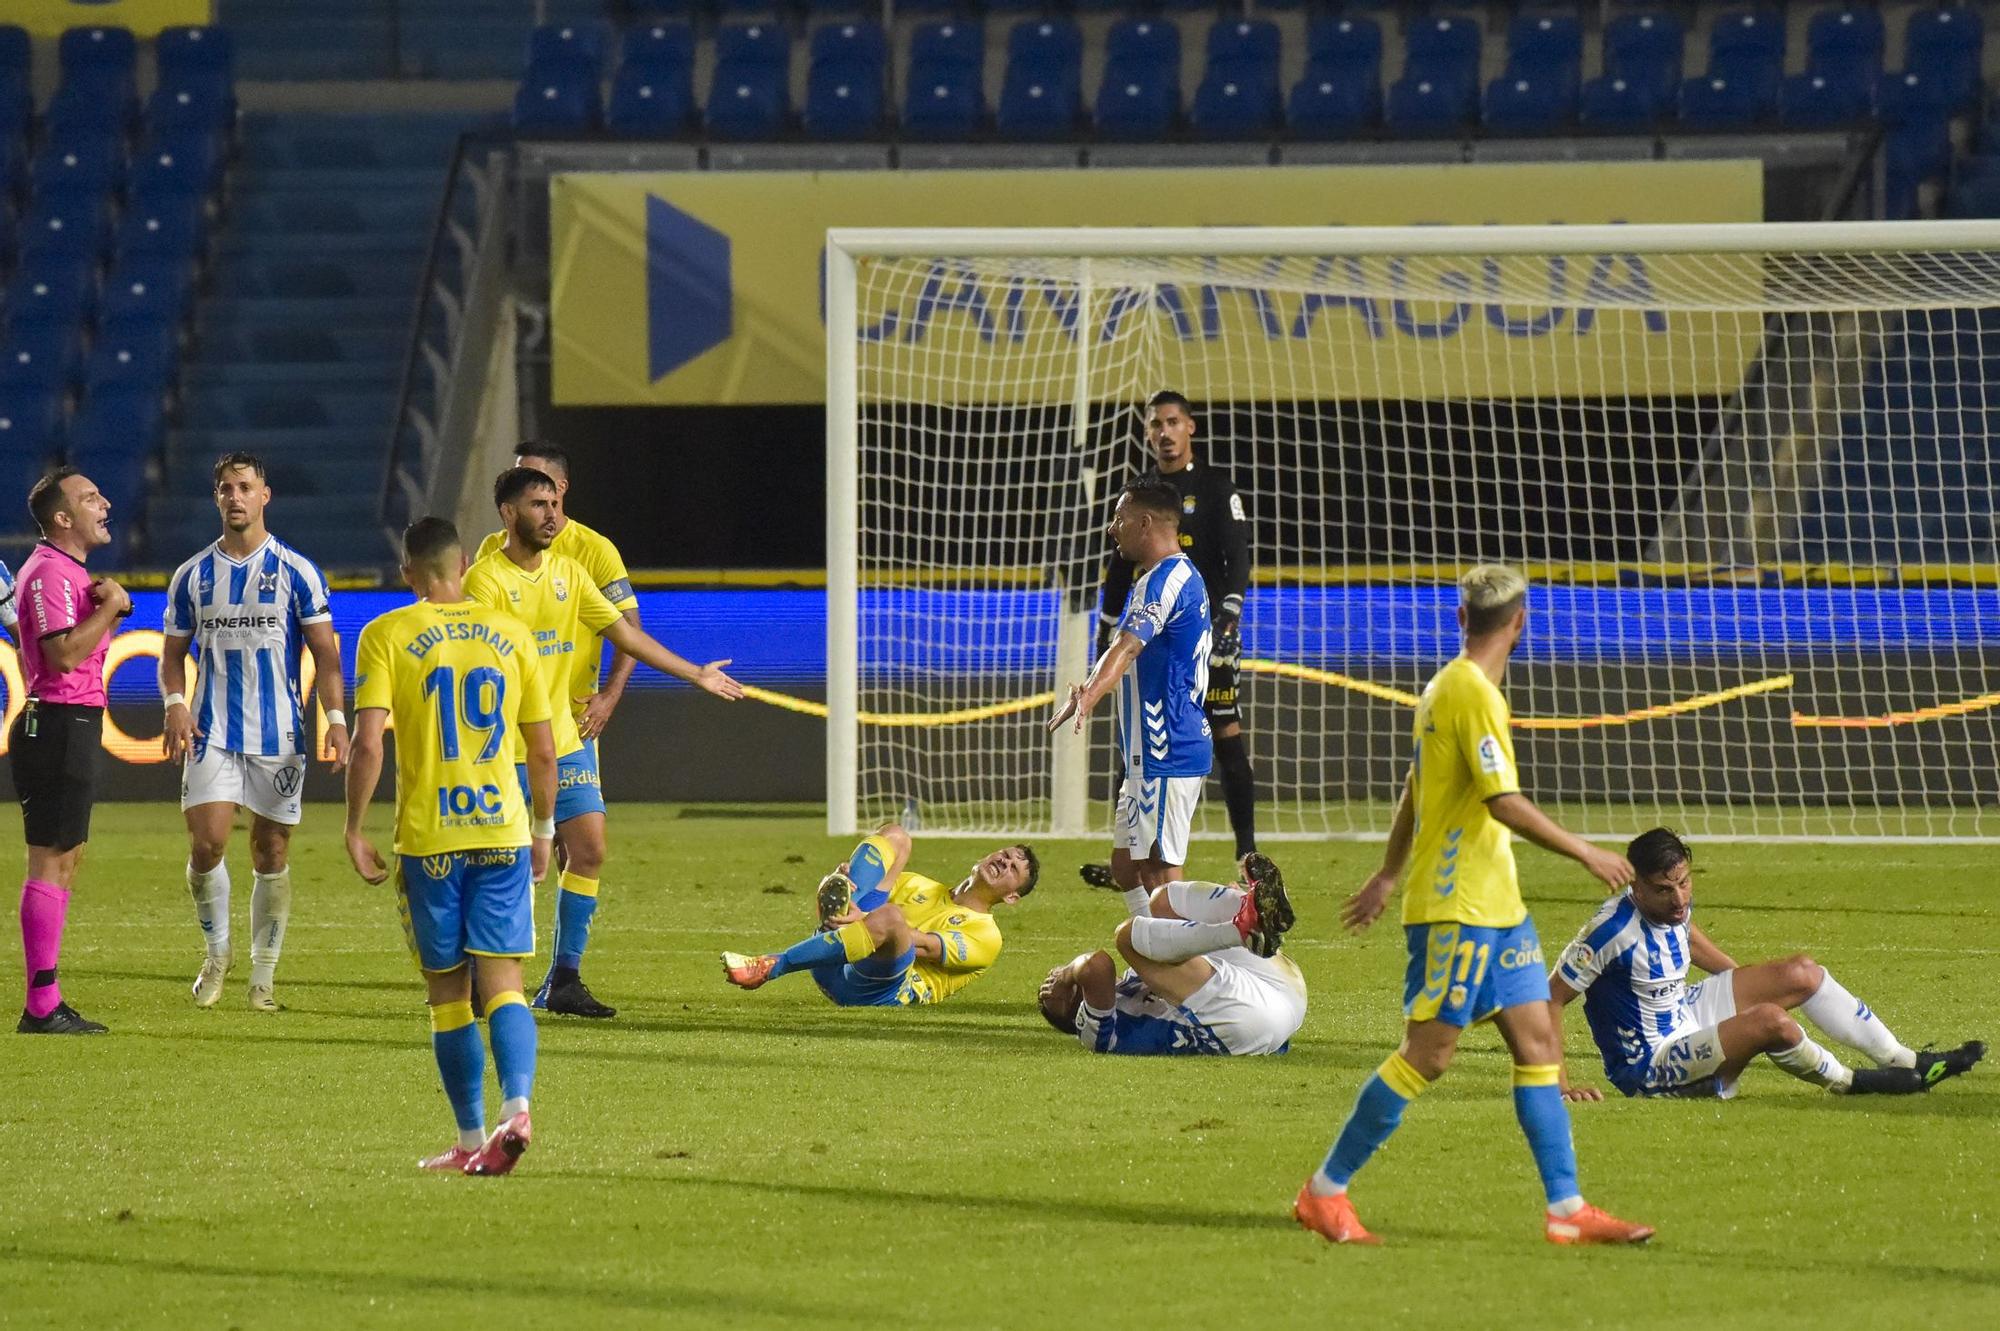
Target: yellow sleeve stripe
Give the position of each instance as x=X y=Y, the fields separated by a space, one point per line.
x=577 y=883
x=451 y=1016
x=498 y=1001
x=1536 y=1074
x=1401 y=1078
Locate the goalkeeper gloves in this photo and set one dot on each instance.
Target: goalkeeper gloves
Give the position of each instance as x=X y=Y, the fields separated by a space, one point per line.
x=1226 y=647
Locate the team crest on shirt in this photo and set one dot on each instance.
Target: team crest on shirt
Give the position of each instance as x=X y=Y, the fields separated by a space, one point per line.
x=1187 y=503
x=267 y=584
x=1457 y=995
x=561 y=588
x=437 y=866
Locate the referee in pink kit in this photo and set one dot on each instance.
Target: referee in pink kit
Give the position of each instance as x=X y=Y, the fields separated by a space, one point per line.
x=65 y=630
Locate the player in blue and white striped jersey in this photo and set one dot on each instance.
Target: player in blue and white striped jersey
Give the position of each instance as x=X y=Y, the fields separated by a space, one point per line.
x=250 y=606
x=1159 y=665
x=1660 y=1035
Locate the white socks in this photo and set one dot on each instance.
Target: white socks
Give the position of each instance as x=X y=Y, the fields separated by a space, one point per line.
x=1847 y=1019
x=270 y=908
x=1138 y=902
x=1808 y=1062
x=510 y=1107
x=1319 y=1185
x=1211 y=903
x=471 y=1139
x=1180 y=940
x=211 y=904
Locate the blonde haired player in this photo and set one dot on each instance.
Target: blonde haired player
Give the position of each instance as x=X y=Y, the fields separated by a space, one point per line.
x=1473 y=951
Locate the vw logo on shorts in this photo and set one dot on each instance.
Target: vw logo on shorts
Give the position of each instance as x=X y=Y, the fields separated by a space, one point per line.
x=287 y=780
x=438 y=866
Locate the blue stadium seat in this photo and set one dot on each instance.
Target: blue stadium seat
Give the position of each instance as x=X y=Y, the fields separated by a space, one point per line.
x=1441 y=51
x=1048 y=51
x=1820 y=101
x=1032 y=108
x=1332 y=108
x=29 y=421
x=1422 y=106
x=93 y=101
x=177 y=163
x=173 y=226
x=87 y=166
x=17 y=52
x=177 y=106
x=844 y=100
x=1913 y=97
x=68 y=228
x=655 y=47
x=557 y=102
x=39 y=358
x=17 y=106
x=1149 y=41
x=131 y=354
x=113 y=436
x=748 y=101
x=63 y=297
x=1845 y=42
x=1242 y=51
x=957 y=45
x=1521 y=104
x=154 y=289
x=98 y=49
x=1226 y=108
x=742 y=46
x=1645 y=50
x=1718 y=103
x=1545 y=49
x=1746 y=49
x=576 y=47
x=1138 y=102
x=1614 y=104
x=1946 y=46
x=944 y=102
x=651 y=99
x=859 y=44
x=1346 y=44
x=198 y=57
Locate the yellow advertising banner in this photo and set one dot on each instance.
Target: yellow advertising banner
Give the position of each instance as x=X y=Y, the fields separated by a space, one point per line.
x=706 y=287
x=144 y=17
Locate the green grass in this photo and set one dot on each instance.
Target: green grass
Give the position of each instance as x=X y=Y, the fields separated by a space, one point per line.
x=713 y=1158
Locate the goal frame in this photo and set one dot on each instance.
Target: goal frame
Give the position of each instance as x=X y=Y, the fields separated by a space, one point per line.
x=845 y=246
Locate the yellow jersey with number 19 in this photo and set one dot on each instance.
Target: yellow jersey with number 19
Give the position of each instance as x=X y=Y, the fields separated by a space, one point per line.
x=605 y=567
x=558 y=602
x=969 y=940
x=458 y=681
x=1462 y=860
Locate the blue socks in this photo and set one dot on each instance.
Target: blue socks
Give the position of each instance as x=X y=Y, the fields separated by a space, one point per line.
x=867 y=867
x=819 y=950
x=461 y=1060
x=576 y=903
x=1538 y=1104
x=511 y=1028
x=1377 y=1112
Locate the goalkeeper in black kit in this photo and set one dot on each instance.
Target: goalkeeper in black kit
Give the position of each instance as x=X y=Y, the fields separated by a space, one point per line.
x=1215 y=534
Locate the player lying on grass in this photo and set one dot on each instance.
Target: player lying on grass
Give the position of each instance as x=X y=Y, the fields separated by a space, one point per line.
x=1660 y=1035
x=1206 y=977
x=892 y=938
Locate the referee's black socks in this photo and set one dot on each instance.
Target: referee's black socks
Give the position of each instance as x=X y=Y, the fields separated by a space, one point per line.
x=1239 y=789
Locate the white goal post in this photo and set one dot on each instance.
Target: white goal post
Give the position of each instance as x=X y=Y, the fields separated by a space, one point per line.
x=1749 y=469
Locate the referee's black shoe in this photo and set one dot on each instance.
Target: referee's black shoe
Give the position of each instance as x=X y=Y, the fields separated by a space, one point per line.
x=569 y=996
x=62 y=1020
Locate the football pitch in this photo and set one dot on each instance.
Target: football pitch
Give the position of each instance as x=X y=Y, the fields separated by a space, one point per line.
x=717 y=1158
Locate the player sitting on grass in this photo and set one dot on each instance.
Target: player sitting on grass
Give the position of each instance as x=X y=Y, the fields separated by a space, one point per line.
x=1660 y=1035
x=1206 y=977
x=891 y=938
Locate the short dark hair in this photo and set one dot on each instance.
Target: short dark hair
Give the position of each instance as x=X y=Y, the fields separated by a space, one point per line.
x=1657 y=851
x=1155 y=496
x=230 y=461
x=47 y=496
x=547 y=452
x=517 y=481
x=1034 y=868
x=426 y=540
x=1167 y=397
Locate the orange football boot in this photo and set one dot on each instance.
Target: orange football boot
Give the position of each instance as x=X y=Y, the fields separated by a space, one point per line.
x=1591 y=1225
x=1332 y=1218
x=747 y=972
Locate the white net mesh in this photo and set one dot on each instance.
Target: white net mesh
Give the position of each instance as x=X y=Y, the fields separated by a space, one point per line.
x=1754 y=493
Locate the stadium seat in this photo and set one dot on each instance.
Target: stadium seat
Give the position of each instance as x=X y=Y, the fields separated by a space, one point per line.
x=843 y=101
x=944 y=102
x=656 y=47
x=73 y=227
x=1421 y=106
x=1614 y=104
x=1332 y=108
x=936 y=46
x=62 y=297
x=651 y=99
x=556 y=103
x=1946 y=46
x=17 y=107
x=1913 y=97
x=81 y=165
x=1747 y=51
x=1225 y=108
x=748 y=102
x=155 y=289
x=1351 y=45
x=857 y=45
x=17 y=51
x=176 y=107
x=29 y=421
x=1045 y=51
x=96 y=50
x=39 y=359
x=173 y=226
x=743 y=46
x=1031 y=109
x=1521 y=104
x=1138 y=102
x=1242 y=51
x=1444 y=52
x=199 y=55
x=1717 y=103
x=93 y=102
x=1545 y=49
x=1845 y=42
x=577 y=48
x=1645 y=51
x=131 y=354
x=1144 y=41
x=1820 y=101
x=185 y=165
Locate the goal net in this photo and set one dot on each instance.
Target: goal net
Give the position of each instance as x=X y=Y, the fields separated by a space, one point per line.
x=1749 y=470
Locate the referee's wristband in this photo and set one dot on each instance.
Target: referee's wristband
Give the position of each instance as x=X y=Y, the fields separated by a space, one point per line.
x=175 y=700
x=336 y=717
x=542 y=829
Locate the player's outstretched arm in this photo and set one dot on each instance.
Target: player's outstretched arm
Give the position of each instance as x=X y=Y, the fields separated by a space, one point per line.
x=364 y=773
x=178 y=730
x=1366 y=906
x=1104 y=677
x=1519 y=813
x=1559 y=996
x=324 y=644
x=709 y=678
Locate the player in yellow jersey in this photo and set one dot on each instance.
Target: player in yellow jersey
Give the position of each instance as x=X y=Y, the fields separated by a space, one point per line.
x=1473 y=953
x=892 y=938
x=591 y=705
x=564 y=609
x=460 y=681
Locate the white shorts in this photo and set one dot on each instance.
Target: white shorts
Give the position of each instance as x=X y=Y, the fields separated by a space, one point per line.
x=271 y=787
x=1252 y=1004
x=1156 y=811
x=1691 y=1062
